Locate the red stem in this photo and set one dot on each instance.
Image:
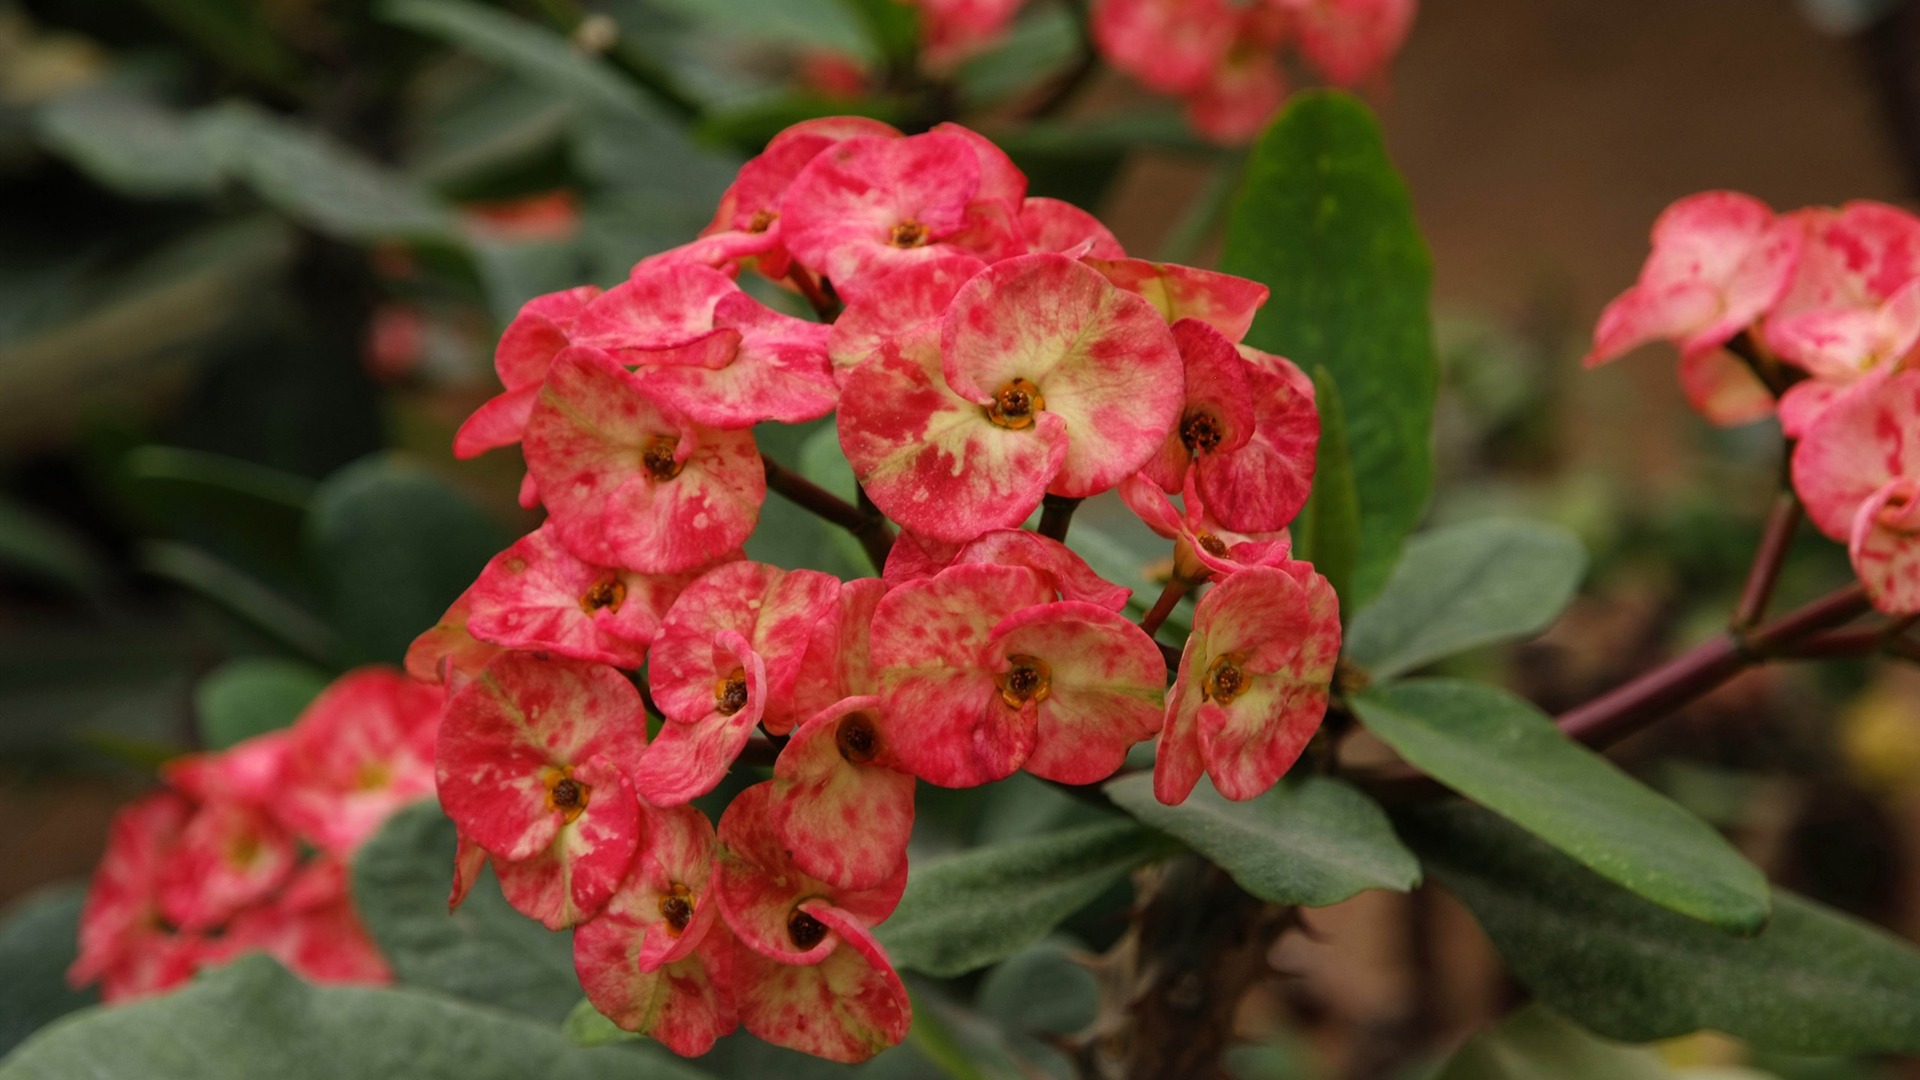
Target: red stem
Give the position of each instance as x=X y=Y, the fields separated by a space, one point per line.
x=1177 y=587
x=1782 y=523
x=1056 y=514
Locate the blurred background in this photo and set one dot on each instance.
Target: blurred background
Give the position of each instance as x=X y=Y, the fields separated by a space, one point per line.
x=254 y=255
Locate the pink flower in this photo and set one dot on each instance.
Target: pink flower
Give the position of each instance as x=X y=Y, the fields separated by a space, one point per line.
x=1854 y=300
x=533 y=762
x=982 y=672
x=363 y=749
x=1052 y=225
x=1858 y=472
x=231 y=855
x=1247 y=433
x=1247 y=86
x=537 y=596
x=951 y=30
x=1067 y=575
x=839 y=806
x=630 y=483
x=1350 y=41
x=709 y=351
x=1253 y=682
x=124 y=945
x=867 y=207
x=312 y=928
x=727 y=658
x=1720 y=261
x=807 y=973
x=839 y=660
x=1169 y=45
x=905 y=305
x=446 y=654
x=526 y=350
x=1050 y=379
x=749 y=224
x=1203 y=548
x=655 y=960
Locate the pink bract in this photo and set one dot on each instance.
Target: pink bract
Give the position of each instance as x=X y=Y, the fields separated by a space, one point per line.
x=772 y=906
x=447 y=654
x=1858 y=471
x=122 y=945
x=1350 y=41
x=1222 y=301
x=230 y=855
x=537 y=595
x=533 y=762
x=847 y=1007
x=362 y=750
x=839 y=660
x=1720 y=260
x=902 y=305
x=1203 y=548
x=1169 y=45
x=756 y=365
x=526 y=350
x=657 y=308
x=312 y=928
x=1252 y=685
x=1053 y=225
x=981 y=672
x=1067 y=575
x=843 y=813
x=1853 y=302
x=630 y=483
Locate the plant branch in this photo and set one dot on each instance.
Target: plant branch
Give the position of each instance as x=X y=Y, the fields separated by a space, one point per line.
x=1177 y=587
x=1056 y=514
x=826 y=307
x=1782 y=522
x=865 y=522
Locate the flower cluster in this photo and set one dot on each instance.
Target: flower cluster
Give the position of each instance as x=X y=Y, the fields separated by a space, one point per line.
x=247 y=849
x=1223 y=57
x=984 y=352
x=1813 y=316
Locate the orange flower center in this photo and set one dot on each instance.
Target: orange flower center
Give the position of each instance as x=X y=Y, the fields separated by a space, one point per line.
x=908 y=234
x=676 y=907
x=1028 y=680
x=730 y=693
x=1214 y=545
x=1014 y=405
x=608 y=594
x=762 y=220
x=566 y=795
x=1225 y=681
x=659 y=457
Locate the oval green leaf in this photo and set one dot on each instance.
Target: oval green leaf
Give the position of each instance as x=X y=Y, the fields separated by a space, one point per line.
x=1814 y=982
x=1312 y=841
x=1505 y=754
x=252 y=696
x=1464 y=586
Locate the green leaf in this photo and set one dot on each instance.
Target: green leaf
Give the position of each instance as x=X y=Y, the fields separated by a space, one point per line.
x=392 y=547
x=585 y=1026
x=527 y=49
x=485 y=952
x=254 y=1019
x=247 y=512
x=1465 y=586
x=252 y=696
x=1328 y=532
x=1502 y=752
x=239 y=594
x=966 y=911
x=38 y=941
x=1324 y=221
x=127 y=142
x=791 y=25
x=1313 y=840
x=1536 y=1042
x=37 y=546
x=1813 y=982
x=317 y=180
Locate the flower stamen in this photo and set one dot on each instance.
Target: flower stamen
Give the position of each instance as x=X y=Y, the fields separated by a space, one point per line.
x=1028 y=680
x=730 y=693
x=1015 y=404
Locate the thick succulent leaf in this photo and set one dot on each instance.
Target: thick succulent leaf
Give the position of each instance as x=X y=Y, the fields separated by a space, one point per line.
x=1466 y=586
x=1502 y=752
x=1537 y=1042
x=1813 y=982
x=255 y=1019
x=1323 y=220
x=251 y=696
x=1313 y=840
x=38 y=940
x=979 y=907
x=1327 y=533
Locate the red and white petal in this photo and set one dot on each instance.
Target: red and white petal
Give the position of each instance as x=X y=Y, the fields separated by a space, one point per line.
x=1169 y=45
x=231 y=855
x=1860 y=442
x=1885 y=547
x=1238 y=97
x=447 y=654
x=588 y=446
x=932 y=642
x=1106 y=687
x=499 y=422
x=577 y=873
x=932 y=460
x=1350 y=40
x=1222 y=301
x=1177 y=760
x=120 y=900
x=761 y=889
x=660 y=307
x=1000 y=178
x=773 y=610
x=1066 y=573
x=895 y=306
x=1261 y=486
x=839 y=658
x=685 y=1006
x=663 y=909
x=870 y=206
x=843 y=814
x=687 y=760
x=537 y=595
x=1053 y=225
x=509 y=732
x=538 y=333
x=1102 y=359
x=1217 y=416
x=1723 y=389
x=847 y=1007
x=359 y=752
x=763 y=366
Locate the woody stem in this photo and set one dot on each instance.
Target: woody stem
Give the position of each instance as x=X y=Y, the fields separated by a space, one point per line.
x=1176 y=588
x=1782 y=522
x=865 y=522
x=1056 y=514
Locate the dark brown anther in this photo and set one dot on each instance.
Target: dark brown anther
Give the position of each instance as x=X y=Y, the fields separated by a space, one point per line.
x=1214 y=545
x=677 y=908
x=805 y=930
x=730 y=693
x=567 y=795
x=1200 y=432
x=609 y=593
x=857 y=738
x=1225 y=680
x=660 y=459
x=1015 y=404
